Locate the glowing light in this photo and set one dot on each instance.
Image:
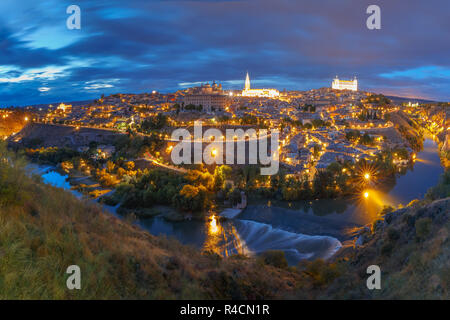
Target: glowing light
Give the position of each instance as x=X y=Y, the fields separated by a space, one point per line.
x=26 y=118
x=267 y=93
x=367 y=176
x=345 y=84
x=366 y=194
x=214 y=152
x=213 y=228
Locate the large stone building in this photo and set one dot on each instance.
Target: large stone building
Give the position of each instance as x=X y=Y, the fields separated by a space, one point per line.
x=209 y=97
x=345 y=84
x=209 y=102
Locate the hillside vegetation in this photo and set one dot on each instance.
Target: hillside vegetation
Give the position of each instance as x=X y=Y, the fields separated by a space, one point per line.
x=411 y=246
x=408 y=128
x=45 y=229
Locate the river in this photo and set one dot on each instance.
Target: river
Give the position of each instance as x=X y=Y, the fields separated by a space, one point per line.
x=304 y=229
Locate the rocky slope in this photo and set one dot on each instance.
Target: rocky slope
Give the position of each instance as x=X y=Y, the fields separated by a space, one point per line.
x=410 y=245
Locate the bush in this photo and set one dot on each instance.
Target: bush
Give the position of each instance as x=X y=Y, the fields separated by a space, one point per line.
x=442 y=190
x=393 y=234
x=275 y=258
x=423 y=228
x=386 y=248
x=322 y=273
x=386 y=210
x=408 y=219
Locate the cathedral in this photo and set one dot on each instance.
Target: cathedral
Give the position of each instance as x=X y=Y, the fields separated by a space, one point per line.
x=263 y=93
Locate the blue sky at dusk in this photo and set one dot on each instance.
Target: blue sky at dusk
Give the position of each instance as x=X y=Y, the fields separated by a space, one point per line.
x=139 y=46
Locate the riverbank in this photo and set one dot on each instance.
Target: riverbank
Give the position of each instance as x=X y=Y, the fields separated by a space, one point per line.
x=121 y=261
x=118 y=260
x=231 y=236
x=339 y=219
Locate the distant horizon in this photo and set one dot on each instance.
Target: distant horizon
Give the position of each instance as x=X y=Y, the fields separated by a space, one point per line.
x=173 y=91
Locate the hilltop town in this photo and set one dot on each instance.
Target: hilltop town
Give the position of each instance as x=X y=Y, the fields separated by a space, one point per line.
x=318 y=127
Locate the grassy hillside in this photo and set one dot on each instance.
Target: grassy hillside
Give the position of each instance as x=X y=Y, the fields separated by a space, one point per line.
x=45 y=229
x=411 y=246
x=408 y=128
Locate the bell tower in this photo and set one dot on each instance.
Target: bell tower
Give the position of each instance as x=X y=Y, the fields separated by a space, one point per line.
x=247 y=82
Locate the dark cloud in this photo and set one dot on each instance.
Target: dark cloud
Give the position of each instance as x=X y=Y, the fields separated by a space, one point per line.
x=146 y=45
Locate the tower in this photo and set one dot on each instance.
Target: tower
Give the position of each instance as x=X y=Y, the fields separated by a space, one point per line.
x=247 y=82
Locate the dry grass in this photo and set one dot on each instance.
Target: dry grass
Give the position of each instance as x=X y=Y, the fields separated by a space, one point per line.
x=45 y=229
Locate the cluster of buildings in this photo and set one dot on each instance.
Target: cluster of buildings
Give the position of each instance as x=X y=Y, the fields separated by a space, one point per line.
x=317 y=148
x=313 y=123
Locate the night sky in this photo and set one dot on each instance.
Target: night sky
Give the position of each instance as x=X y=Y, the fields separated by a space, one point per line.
x=139 y=46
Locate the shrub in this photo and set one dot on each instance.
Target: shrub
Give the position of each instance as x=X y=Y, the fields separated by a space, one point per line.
x=386 y=210
x=408 y=219
x=393 y=234
x=423 y=228
x=322 y=273
x=386 y=248
x=275 y=258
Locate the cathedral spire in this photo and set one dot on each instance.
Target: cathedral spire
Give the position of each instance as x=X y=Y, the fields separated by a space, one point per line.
x=247 y=82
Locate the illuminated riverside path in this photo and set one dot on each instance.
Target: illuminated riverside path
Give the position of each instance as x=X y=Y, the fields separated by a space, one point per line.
x=304 y=229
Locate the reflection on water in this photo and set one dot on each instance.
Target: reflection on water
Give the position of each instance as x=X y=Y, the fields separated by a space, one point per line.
x=56 y=179
x=336 y=217
x=224 y=239
x=244 y=237
x=424 y=175
x=303 y=229
x=259 y=237
x=51 y=176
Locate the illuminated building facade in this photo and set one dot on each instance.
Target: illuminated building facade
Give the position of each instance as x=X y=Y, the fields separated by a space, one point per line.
x=210 y=97
x=209 y=102
x=263 y=93
x=64 y=108
x=345 y=84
